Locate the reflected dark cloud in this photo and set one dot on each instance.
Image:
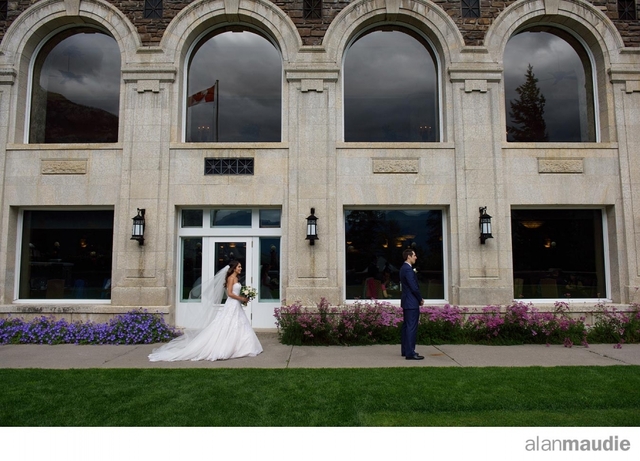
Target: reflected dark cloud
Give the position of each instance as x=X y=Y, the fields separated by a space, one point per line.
x=561 y=80
x=85 y=69
x=249 y=72
x=390 y=89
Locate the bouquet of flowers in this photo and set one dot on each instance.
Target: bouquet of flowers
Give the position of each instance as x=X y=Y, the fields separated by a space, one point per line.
x=248 y=292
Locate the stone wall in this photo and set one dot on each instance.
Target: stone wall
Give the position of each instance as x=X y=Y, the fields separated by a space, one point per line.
x=312 y=31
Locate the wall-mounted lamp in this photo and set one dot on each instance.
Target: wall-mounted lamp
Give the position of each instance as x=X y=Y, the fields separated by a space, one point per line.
x=312 y=227
x=137 y=233
x=485 y=225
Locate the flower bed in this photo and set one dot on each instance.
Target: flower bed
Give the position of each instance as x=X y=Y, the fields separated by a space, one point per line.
x=134 y=327
x=376 y=322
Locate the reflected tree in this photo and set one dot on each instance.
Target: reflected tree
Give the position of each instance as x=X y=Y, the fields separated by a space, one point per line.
x=527 y=112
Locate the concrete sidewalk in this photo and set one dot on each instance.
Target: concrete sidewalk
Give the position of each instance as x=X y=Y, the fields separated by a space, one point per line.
x=278 y=355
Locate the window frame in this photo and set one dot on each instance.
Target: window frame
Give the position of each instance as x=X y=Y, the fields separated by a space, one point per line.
x=593 y=75
x=184 y=87
x=445 y=250
x=18 y=257
x=438 y=74
x=606 y=256
x=32 y=63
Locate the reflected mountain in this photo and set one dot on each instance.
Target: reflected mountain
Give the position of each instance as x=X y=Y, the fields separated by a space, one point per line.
x=69 y=122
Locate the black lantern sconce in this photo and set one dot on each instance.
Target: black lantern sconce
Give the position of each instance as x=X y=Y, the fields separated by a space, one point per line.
x=137 y=233
x=485 y=225
x=312 y=227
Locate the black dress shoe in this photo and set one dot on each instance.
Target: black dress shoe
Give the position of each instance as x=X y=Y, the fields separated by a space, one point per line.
x=414 y=357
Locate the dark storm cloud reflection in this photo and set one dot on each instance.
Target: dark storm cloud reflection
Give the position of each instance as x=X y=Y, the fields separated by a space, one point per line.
x=85 y=69
x=249 y=70
x=390 y=89
x=561 y=79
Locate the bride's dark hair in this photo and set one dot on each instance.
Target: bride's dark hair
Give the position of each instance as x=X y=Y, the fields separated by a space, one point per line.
x=232 y=267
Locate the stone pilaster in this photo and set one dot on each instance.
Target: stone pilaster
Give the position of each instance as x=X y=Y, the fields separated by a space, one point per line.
x=626 y=83
x=312 y=184
x=483 y=268
x=140 y=271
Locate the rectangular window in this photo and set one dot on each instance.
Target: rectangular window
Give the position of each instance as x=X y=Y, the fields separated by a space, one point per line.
x=4 y=10
x=270 y=218
x=66 y=254
x=470 y=8
x=558 y=254
x=192 y=218
x=312 y=9
x=374 y=242
x=153 y=9
x=231 y=218
x=627 y=10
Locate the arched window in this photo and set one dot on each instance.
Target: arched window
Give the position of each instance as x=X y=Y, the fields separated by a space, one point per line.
x=234 y=90
x=549 y=91
x=391 y=88
x=75 y=95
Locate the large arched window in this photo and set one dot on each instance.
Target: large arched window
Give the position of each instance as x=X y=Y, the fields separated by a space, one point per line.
x=548 y=88
x=75 y=96
x=234 y=90
x=391 y=88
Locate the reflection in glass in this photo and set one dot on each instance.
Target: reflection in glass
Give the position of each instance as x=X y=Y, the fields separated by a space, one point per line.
x=66 y=254
x=245 y=103
x=269 y=290
x=76 y=89
x=231 y=251
x=192 y=218
x=374 y=242
x=191 y=269
x=390 y=89
x=270 y=218
x=231 y=218
x=558 y=254
x=553 y=63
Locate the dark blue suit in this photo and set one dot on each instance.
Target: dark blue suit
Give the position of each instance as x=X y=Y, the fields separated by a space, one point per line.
x=410 y=302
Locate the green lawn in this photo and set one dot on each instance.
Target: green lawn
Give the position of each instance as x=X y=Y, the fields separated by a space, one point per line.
x=558 y=396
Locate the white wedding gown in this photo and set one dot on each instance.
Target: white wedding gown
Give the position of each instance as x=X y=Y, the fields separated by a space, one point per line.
x=228 y=336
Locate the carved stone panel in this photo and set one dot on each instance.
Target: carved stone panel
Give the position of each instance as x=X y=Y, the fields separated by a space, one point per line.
x=548 y=165
x=397 y=165
x=64 y=167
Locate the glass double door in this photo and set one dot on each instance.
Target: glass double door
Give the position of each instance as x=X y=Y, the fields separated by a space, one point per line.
x=201 y=258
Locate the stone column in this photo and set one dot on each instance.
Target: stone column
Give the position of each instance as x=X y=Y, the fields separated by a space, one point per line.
x=478 y=134
x=8 y=232
x=311 y=270
x=140 y=272
x=626 y=93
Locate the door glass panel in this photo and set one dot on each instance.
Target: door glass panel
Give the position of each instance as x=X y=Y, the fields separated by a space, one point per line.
x=231 y=251
x=269 y=269
x=191 y=287
x=231 y=218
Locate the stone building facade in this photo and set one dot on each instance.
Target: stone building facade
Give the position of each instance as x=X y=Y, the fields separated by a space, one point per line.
x=67 y=201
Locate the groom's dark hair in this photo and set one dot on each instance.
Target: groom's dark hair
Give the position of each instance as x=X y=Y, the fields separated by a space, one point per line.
x=406 y=253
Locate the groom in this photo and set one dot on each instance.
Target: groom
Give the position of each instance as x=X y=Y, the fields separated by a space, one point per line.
x=410 y=301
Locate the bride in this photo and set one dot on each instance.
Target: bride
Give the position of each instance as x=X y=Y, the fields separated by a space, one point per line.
x=228 y=335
